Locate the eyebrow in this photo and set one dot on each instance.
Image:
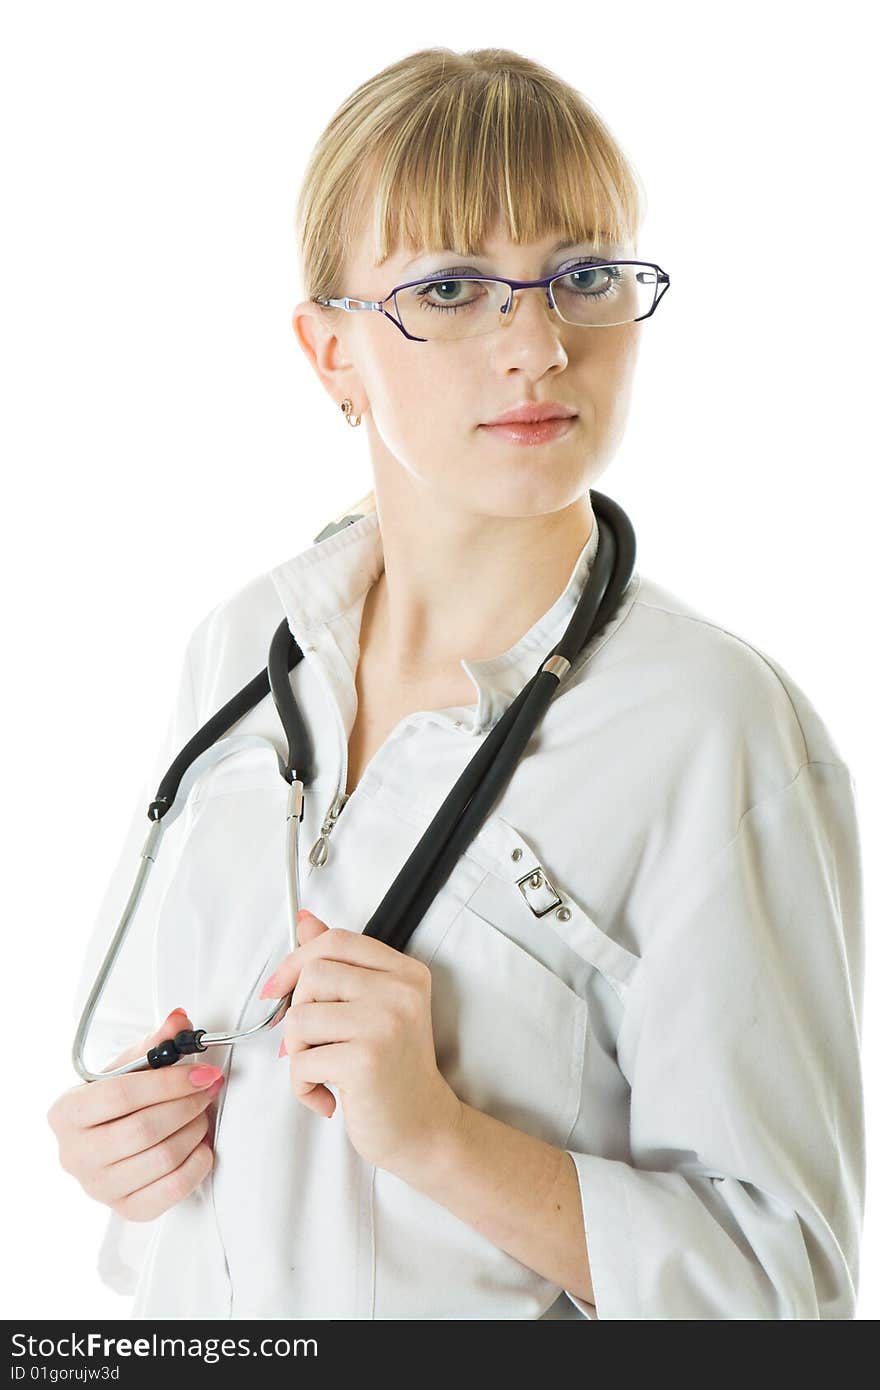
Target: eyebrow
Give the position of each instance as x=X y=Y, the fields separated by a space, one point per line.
x=481 y=256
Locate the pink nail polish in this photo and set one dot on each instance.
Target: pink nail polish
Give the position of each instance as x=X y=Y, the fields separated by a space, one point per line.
x=282 y=1051
x=270 y=989
x=204 y=1075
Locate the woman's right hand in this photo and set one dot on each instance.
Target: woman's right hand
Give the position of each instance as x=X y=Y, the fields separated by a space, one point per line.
x=138 y=1142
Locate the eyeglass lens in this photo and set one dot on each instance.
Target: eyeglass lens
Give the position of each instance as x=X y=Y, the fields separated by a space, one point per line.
x=591 y=297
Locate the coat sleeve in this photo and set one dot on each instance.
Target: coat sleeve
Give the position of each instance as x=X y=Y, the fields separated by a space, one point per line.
x=744 y=1198
x=127 y=1010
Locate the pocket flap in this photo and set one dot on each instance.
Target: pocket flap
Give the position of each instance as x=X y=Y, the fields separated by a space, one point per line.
x=535 y=894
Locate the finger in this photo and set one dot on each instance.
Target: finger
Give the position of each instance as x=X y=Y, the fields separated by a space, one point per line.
x=139 y=1170
x=172 y=1025
x=335 y=944
x=321 y=1013
x=312 y=1024
x=319 y=1099
x=95 y=1102
x=314 y=1065
x=151 y=1201
x=317 y=1025
x=328 y=980
x=101 y=1146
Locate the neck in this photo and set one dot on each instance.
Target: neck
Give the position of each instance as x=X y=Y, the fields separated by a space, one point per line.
x=456 y=584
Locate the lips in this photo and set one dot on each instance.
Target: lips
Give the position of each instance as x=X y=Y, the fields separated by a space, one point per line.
x=533 y=413
x=537 y=432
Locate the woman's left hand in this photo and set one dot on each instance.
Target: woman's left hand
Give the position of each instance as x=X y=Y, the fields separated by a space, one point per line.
x=360 y=1018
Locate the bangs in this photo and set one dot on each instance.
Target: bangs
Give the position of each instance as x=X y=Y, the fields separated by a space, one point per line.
x=472 y=162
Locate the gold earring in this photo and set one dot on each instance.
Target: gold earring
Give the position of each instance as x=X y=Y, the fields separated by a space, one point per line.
x=346 y=410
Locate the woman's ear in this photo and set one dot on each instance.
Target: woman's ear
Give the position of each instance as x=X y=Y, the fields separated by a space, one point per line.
x=316 y=331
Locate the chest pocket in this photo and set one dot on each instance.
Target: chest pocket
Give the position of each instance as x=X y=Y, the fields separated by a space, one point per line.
x=510 y=996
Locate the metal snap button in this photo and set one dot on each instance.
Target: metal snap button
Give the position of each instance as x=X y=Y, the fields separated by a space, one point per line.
x=516 y=855
x=563 y=914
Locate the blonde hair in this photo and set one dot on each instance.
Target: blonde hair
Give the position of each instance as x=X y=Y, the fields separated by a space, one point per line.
x=446 y=145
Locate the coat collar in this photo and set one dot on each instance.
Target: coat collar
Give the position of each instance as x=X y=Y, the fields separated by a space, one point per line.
x=323 y=591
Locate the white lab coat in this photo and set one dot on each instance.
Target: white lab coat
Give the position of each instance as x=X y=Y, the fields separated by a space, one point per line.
x=685 y=1021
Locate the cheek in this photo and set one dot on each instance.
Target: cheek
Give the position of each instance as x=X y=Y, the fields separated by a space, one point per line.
x=418 y=406
x=612 y=402
x=614 y=378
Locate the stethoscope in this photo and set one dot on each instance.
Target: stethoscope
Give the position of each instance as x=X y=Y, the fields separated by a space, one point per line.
x=446 y=838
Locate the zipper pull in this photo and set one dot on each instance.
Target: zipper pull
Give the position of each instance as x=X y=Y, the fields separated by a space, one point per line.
x=320 y=850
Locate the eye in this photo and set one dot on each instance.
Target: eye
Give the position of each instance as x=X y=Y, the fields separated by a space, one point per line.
x=588 y=282
x=449 y=293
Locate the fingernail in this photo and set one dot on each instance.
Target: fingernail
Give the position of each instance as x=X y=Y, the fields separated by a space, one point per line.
x=282 y=1051
x=204 y=1076
x=215 y=1088
x=270 y=989
x=182 y=1013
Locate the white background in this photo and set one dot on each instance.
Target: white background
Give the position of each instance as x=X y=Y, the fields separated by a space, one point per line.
x=164 y=439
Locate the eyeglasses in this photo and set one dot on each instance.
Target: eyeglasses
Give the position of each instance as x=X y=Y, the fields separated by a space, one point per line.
x=594 y=294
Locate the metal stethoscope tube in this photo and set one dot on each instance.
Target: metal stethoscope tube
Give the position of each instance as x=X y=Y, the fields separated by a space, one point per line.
x=188 y=1041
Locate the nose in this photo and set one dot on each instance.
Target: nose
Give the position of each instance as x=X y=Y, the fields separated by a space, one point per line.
x=537 y=339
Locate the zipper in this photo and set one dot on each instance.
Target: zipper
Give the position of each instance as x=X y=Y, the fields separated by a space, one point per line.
x=320 y=850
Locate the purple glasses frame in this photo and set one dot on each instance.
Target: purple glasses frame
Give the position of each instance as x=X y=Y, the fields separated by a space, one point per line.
x=352 y=305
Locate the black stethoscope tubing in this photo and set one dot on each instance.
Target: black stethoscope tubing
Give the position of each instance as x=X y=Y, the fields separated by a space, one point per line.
x=478 y=788
x=450 y=832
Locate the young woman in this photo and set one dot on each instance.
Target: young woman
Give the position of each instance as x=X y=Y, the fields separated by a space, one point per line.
x=615 y=1072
